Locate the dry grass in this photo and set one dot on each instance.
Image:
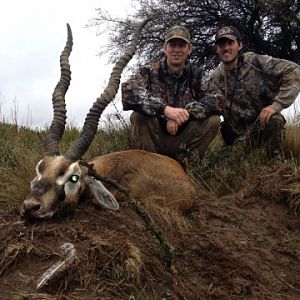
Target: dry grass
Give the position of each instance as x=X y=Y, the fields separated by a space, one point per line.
x=125 y=260
x=293 y=141
x=279 y=183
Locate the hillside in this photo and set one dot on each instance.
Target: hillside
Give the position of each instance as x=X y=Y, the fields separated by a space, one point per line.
x=242 y=243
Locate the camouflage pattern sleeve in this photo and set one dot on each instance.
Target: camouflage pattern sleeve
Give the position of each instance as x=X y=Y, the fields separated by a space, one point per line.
x=207 y=106
x=289 y=86
x=136 y=95
x=212 y=102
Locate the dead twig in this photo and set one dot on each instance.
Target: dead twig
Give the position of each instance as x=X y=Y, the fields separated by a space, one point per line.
x=167 y=246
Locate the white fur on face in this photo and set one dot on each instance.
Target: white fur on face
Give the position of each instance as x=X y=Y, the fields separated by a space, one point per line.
x=74 y=169
x=71 y=188
x=38 y=175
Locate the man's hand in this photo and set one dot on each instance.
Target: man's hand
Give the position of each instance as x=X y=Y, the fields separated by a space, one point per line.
x=179 y=115
x=172 y=127
x=265 y=115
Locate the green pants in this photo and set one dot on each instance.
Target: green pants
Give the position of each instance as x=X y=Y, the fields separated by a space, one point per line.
x=149 y=133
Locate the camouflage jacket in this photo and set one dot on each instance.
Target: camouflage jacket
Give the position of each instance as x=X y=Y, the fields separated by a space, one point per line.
x=153 y=87
x=258 y=81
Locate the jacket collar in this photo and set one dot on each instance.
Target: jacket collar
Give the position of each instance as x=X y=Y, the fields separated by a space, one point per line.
x=166 y=71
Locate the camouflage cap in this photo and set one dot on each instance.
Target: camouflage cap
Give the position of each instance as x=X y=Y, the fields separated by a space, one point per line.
x=178 y=32
x=228 y=32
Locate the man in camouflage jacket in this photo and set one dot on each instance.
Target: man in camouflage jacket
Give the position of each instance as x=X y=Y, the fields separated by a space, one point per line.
x=171 y=115
x=256 y=88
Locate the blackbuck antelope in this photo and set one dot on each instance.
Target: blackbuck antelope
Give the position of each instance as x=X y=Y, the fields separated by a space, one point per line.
x=63 y=179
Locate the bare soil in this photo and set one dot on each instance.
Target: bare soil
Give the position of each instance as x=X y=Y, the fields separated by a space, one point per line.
x=242 y=246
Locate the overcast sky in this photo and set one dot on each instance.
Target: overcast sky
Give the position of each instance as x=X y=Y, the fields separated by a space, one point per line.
x=33 y=34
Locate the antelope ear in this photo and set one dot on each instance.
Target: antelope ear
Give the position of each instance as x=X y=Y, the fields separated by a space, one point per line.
x=101 y=195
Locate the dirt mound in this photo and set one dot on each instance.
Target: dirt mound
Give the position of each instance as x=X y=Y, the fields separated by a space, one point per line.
x=243 y=246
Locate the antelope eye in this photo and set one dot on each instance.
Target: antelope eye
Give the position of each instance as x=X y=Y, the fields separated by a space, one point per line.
x=74 y=178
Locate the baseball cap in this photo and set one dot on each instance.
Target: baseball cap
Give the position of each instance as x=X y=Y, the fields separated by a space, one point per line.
x=178 y=32
x=228 y=32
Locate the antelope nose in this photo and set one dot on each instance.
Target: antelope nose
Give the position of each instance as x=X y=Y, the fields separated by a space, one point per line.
x=31 y=205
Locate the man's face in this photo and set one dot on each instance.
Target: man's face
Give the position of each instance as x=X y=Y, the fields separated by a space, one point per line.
x=177 y=50
x=228 y=50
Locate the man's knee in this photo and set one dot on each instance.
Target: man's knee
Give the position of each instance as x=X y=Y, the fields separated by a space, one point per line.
x=137 y=117
x=144 y=131
x=275 y=133
x=203 y=132
x=275 y=129
x=207 y=127
x=276 y=123
x=141 y=120
x=213 y=124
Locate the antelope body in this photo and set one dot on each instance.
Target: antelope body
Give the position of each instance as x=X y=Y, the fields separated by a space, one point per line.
x=63 y=179
x=149 y=176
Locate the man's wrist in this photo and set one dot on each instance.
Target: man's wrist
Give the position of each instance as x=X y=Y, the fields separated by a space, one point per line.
x=276 y=106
